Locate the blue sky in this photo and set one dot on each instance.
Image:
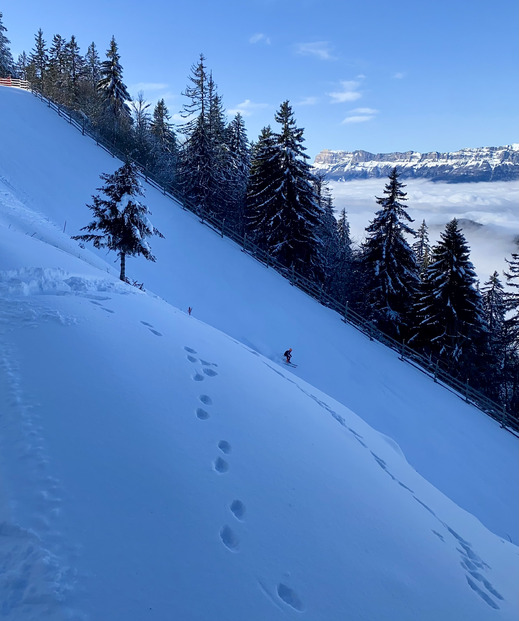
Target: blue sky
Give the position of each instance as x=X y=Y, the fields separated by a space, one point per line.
x=375 y=75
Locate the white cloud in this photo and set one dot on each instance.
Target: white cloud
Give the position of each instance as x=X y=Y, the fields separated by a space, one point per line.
x=399 y=75
x=259 y=37
x=349 y=92
x=247 y=108
x=358 y=118
x=308 y=101
x=369 y=111
x=320 y=49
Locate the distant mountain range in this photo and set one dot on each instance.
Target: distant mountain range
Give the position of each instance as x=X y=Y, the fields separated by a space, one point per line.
x=466 y=165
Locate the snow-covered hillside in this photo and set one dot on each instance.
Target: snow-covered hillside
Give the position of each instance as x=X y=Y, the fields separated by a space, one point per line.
x=156 y=465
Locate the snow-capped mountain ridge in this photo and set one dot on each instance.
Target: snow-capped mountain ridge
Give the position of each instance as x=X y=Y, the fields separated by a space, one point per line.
x=471 y=164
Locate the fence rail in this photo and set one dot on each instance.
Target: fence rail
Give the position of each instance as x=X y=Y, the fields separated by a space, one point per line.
x=428 y=366
x=16 y=82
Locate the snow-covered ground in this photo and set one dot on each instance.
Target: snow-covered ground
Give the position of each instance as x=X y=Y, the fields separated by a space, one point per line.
x=156 y=465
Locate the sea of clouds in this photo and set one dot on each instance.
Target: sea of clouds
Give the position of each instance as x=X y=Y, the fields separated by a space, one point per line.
x=489 y=214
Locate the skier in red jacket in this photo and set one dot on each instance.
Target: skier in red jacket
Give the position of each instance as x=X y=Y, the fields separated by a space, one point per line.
x=288 y=355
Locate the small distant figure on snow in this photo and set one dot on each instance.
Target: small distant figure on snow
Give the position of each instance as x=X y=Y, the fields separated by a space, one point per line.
x=288 y=355
x=189 y=310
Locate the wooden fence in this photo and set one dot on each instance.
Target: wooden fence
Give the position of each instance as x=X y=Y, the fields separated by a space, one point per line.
x=16 y=82
x=423 y=363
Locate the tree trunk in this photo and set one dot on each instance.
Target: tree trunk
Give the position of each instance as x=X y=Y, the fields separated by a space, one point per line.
x=122 y=275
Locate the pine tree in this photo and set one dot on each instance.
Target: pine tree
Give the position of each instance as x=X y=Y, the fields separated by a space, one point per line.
x=388 y=263
x=422 y=248
x=6 y=58
x=164 y=153
x=141 y=134
x=512 y=331
x=449 y=314
x=114 y=94
x=120 y=220
x=199 y=174
x=89 y=96
x=327 y=229
x=291 y=215
x=75 y=72
x=260 y=206
x=38 y=65
x=512 y=281
x=57 y=71
x=238 y=170
x=20 y=68
x=342 y=280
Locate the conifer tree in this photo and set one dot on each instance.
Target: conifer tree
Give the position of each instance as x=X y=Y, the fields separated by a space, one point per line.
x=290 y=215
x=6 y=58
x=120 y=220
x=422 y=248
x=38 y=64
x=164 y=153
x=141 y=134
x=449 y=314
x=20 y=68
x=114 y=94
x=75 y=72
x=494 y=309
x=512 y=281
x=238 y=169
x=389 y=267
x=260 y=205
x=90 y=98
x=199 y=175
x=57 y=70
x=342 y=281
x=327 y=229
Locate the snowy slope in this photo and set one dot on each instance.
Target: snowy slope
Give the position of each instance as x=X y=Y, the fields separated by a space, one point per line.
x=156 y=465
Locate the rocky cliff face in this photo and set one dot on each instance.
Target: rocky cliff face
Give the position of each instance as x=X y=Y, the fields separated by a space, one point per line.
x=466 y=165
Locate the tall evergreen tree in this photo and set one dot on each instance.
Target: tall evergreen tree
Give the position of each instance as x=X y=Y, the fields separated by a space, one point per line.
x=494 y=309
x=114 y=94
x=327 y=229
x=512 y=281
x=57 y=70
x=75 y=72
x=342 y=280
x=199 y=174
x=449 y=315
x=120 y=220
x=422 y=248
x=260 y=205
x=20 y=68
x=6 y=58
x=164 y=154
x=38 y=65
x=238 y=170
x=141 y=134
x=289 y=214
x=388 y=263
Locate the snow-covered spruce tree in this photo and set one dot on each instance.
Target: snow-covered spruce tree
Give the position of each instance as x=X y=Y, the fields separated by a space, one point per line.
x=75 y=66
x=141 y=133
x=389 y=270
x=327 y=229
x=494 y=309
x=449 y=318
x=38 y=64
x=120 y=220
x=342 y=281
x=21 y=65
x=422 y=248
x=89 y=96
x=164 y=151
x=259 y=206
x=286 y=208
x=512 y=330
x=512 y=281
x=116 y=115
x=238 y=170
x=56 y=72
x=198 y=174
x=6 y=58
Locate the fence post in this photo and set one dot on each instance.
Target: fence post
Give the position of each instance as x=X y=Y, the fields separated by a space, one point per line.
x=467 y=390
x=223 y=226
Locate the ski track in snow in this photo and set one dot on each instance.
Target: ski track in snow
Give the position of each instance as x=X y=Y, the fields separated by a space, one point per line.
x=471 y=563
